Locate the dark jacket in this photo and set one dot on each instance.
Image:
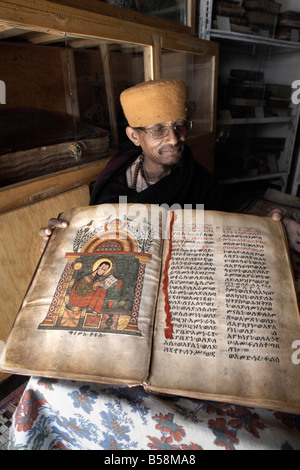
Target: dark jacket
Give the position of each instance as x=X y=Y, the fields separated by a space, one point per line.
x=188 y=184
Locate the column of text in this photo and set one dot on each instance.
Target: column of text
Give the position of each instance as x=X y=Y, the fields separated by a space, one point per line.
x=251 y=321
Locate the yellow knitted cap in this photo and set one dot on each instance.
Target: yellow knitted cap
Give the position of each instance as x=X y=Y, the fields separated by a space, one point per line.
x=155 y=101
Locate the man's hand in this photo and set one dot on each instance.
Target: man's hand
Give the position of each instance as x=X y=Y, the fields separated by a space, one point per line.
x=292 y=228
x=46 y=232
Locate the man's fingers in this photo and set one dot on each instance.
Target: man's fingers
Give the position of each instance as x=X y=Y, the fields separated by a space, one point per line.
x=276 y=214
x=47 y=231
x=57 y=223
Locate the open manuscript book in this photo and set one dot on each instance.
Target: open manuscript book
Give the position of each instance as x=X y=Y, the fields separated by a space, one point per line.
x=193 y=303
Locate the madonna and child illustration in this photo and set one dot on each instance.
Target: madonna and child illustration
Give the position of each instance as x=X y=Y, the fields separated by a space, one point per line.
x=101 y=285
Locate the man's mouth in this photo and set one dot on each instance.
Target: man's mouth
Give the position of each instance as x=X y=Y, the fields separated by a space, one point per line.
x=171 y=150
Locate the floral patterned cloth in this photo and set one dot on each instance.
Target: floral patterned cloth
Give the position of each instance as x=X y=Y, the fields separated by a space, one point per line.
x=57 y=414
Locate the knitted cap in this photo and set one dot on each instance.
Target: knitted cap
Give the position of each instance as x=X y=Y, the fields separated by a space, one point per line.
x=155 y=101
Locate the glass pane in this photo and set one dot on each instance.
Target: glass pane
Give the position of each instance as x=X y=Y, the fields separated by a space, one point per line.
x=255 y=112
x=127 y=68
x=171 y=10
x=251 y=17
x=103 y=70
x=62 y=106
x=36 y=122
x=197 y=71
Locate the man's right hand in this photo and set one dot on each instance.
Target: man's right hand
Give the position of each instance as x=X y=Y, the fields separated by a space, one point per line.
x=46 y=232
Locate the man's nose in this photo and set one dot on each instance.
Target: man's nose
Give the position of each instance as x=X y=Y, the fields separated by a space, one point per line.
x=172 y=136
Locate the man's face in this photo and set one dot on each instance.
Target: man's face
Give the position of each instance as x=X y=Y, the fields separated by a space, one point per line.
x=102 y=269
x=166 y=151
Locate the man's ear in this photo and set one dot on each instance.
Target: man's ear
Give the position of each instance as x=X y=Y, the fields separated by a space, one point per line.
x=132 y=135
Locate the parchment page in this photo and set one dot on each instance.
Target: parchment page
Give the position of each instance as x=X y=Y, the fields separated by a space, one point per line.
x=89 y=312
x=225 y=330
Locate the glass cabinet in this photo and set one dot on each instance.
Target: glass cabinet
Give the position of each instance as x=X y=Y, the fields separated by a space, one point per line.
x=197 y=71
x=64 y=69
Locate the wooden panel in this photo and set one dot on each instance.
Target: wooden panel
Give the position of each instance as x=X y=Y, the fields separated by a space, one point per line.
x=20 y=194
x=133 y=15
x=204 y=155
x=45 y=16
x=20 y=250
x=203 y=149
x=34 y=77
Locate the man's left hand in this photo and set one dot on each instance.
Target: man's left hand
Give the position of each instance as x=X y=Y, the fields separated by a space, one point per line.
x=292 y=228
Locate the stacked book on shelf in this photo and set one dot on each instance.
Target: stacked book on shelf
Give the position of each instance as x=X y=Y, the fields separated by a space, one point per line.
x=240 y=153
x=278 y=101
x=262 y=14
x=234 y=13
x=247 y=16
x=240 y=157
x=260 y=17
x=247 y=95
x=288 y=28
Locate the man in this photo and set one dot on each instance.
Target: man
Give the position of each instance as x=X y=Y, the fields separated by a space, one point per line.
x=159 y=168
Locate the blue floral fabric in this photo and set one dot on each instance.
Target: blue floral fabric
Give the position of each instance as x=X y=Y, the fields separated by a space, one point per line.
x=67 y=415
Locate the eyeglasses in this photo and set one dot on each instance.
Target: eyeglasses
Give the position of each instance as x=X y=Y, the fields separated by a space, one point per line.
x=160 y=131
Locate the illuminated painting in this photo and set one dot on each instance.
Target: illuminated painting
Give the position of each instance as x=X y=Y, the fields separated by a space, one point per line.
x=101 y=285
